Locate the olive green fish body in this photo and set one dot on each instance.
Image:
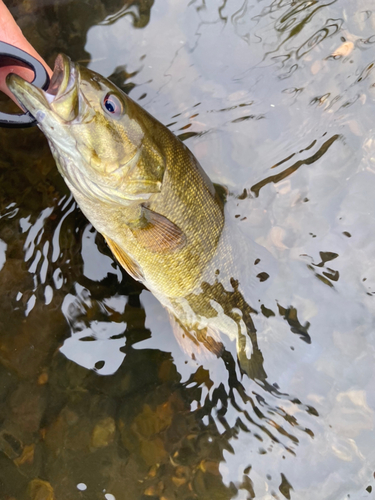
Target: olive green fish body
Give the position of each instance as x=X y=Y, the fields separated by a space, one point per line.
x=164 y=239
x=144 y=191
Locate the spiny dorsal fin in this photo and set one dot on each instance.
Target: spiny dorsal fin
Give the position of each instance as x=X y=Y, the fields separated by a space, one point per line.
x=159 y=234
x=125 y=260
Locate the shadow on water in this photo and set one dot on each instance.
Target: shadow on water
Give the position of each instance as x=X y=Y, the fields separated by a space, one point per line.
x=126 y=413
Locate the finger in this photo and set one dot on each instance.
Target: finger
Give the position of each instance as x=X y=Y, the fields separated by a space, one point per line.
x=12 y=34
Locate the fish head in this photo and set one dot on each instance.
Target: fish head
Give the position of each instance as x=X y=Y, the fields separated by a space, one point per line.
x=97 y=134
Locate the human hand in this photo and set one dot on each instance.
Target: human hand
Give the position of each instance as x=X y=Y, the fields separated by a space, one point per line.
x=12 y=34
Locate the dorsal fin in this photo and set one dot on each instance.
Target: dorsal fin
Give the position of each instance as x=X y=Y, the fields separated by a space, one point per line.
x=125 y=260
x=158 y=234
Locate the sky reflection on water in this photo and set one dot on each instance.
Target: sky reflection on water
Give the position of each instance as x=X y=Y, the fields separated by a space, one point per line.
x=276 y=100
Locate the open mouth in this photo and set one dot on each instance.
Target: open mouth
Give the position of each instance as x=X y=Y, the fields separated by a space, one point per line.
x=63 y=78
x=61 y=97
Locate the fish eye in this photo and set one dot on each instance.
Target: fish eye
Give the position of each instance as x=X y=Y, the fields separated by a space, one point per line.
x=112 y=105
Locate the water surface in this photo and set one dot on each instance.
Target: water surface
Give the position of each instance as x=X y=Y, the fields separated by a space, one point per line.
x=98 y=400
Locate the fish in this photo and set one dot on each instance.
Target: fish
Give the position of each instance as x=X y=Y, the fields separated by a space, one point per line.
x=157 y=209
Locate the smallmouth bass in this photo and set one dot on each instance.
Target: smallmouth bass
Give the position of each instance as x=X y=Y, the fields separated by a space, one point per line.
x=142 y=188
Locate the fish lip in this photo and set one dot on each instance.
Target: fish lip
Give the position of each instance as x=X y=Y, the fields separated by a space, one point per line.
x=33 y=98
x=63 y=77
x=30 y=97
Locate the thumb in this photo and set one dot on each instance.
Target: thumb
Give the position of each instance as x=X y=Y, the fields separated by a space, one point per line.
x=12 y=34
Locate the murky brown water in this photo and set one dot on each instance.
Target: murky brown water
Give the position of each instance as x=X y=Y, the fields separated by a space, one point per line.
x=277 y=101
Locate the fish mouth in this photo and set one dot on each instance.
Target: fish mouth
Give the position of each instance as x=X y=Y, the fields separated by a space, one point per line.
x=61 y=96
x=63 y=77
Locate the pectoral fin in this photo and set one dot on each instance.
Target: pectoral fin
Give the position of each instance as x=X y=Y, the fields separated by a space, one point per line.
x=125 y=260
x=158 y=234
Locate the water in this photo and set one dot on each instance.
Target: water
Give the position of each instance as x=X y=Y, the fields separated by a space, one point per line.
x=98 y=401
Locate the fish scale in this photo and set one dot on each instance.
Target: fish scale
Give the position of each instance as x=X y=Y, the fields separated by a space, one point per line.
x=142 y=188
